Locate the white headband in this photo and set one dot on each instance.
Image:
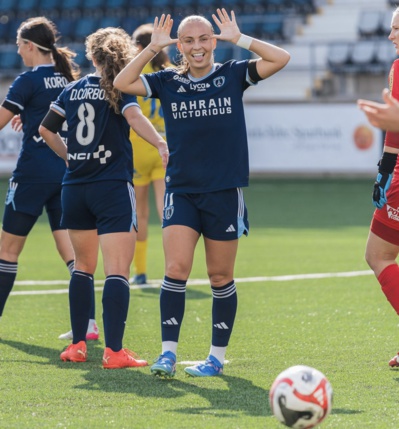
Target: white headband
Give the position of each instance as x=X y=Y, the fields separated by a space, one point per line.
x=39 y=46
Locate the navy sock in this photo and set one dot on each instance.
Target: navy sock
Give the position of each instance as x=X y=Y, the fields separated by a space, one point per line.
x=8 y=273
x=116 y=297
x=224 y=309
x=172 y=303
x=80 y=288
x=93 y=303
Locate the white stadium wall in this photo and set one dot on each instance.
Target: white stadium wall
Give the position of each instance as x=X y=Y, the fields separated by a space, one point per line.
x=305 y=139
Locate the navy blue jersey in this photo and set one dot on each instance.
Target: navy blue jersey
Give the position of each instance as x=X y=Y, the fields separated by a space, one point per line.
x=205 y=127
x=98 y=139
x=30 y=96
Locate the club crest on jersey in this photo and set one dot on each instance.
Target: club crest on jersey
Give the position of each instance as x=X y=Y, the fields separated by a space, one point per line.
x=219 y=81
x=168 y=212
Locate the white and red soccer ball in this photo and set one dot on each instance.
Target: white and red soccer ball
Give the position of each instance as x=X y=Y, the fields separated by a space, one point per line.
x=301 y=397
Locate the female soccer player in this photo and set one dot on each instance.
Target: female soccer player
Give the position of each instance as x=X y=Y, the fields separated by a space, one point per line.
x=383 y=242
x=98 y=199
x=36 y=181
x=208 y=166
x=148 y=166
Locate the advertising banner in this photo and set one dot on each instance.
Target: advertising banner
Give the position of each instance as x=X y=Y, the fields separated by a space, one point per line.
x=311 y=138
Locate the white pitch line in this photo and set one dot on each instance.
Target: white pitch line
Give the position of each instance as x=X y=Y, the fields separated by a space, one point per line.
x=157 y=283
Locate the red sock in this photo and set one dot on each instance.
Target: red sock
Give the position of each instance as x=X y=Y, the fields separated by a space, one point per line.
x=389 y=281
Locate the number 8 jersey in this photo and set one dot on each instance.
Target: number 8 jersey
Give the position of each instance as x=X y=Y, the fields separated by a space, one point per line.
x=98 y=139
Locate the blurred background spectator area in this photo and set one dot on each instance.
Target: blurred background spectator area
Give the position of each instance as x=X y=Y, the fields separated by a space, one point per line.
x=339 y=48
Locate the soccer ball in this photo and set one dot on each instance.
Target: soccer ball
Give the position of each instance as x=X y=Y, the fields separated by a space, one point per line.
x=301 y=397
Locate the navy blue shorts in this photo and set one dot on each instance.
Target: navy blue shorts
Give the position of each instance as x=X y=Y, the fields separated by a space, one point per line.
x=108 y=206
x=25 y=203
x=220 y=215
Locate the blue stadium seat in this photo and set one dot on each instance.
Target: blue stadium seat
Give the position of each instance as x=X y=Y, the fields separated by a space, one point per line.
x=66 y=28
x=273 y=27
x=13 y=26
x=92 y=4
x=115 y=3
x=184 y=7
x=109 y=21
x=81 y=59
x=303 y=6
x=158 y=7
x=276 y=5
x=130 y=24
x=223 y=52
x=71 y=8
x=9 y=59
x=84 y=27
x=115 y=7
x=4 y=32
x=27 y=6
x=249 y=26
x=8 y=7
x=49 y=4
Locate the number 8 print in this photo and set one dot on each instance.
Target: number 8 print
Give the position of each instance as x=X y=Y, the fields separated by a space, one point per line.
x=86 y=114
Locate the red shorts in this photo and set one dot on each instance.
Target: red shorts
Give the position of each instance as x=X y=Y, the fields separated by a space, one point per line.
x=385 y=221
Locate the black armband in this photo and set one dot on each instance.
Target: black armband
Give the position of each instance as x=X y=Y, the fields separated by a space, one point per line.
x=53 y=121
x=252 y=72
x=11 y=107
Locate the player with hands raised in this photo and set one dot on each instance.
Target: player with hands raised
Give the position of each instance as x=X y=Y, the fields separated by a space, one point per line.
x=207 y=168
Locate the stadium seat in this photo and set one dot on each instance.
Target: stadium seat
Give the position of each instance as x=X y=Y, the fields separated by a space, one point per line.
x=385 y=54
x=71 y=8
x=66 y=28
x=184 y=7
x=273 y=27
x=8 y=7
x=84 y=27
x=223 y=52
x=338 y=56
x=250 y=26
x=27 y=7
x=49 y=8
x=90 y=6
x=81 y=59
x=13 y=26
x=49 y=4
x=158 y=7
x=255 y=7
x=130 y=24
x=303 y=7
x=386 y=23
x=363 y=56
x=369 y=23
x=115 y=7
x=109 y=21
x=4 y=32
x=276 y=5
x=9 y=59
